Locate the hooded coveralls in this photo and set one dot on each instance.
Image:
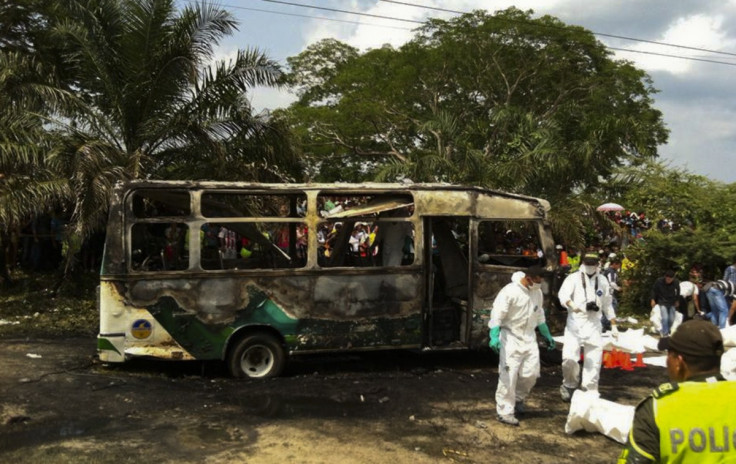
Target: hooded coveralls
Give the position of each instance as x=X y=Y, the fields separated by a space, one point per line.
x=518 y=311
x=584 y=328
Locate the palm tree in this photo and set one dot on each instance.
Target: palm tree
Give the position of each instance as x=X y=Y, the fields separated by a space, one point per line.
x=145 y=100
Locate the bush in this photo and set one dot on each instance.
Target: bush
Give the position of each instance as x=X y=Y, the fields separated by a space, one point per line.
x=680 y=250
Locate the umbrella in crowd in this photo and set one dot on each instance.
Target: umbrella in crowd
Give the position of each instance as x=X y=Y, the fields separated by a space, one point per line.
x=610 y=207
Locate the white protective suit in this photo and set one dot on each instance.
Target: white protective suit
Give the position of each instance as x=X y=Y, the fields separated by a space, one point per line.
x=583 y=328
x=518 y=311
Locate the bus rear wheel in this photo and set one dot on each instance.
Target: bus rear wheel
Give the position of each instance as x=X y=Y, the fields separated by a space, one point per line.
x=257 y=356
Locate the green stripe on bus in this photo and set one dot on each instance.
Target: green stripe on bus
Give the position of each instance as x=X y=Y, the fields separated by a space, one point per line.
x=106 y=345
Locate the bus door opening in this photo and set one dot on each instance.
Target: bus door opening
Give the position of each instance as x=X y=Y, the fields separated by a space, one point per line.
x=446 y=314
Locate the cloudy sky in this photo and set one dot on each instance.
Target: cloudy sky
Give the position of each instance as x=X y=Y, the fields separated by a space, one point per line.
x=696 y=97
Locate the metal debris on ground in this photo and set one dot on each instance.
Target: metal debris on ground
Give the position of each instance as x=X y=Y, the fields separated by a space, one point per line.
x=452 y=454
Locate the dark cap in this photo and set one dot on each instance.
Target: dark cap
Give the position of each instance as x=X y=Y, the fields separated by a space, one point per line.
x=695 y=338
x=591 y=258
x=534 y=271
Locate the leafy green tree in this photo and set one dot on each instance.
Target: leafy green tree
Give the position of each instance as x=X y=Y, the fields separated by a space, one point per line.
x=27 y=81
x=139 y=98
x=508 y=101
x=704 y=216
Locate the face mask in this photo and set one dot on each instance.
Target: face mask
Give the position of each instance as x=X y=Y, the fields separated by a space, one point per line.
x=590 y=269
x=535 y=286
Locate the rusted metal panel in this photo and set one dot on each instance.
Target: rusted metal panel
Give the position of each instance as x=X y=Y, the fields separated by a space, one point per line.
x=445 y=203
x=217 y=300
x=113 y=261
x=366 y=296
x=507 y=208
x=311 y=312
x=486 y=287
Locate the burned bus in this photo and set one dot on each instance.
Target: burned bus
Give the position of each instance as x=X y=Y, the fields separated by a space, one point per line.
x=253 y=273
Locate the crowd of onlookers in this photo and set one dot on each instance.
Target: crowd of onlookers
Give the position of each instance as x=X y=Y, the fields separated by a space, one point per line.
x=672 y=301
x=634 y=224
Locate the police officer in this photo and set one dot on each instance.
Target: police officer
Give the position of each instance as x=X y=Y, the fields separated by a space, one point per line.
x=690 y=419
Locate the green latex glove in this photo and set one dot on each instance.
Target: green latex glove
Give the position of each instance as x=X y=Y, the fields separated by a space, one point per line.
x=544 y=330
x=495 y=342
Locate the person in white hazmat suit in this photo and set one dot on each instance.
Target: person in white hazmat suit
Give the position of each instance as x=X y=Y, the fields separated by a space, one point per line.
x=517 y=311
x=585 y=294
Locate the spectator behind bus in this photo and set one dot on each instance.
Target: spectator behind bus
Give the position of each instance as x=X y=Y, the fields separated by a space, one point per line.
x=611 y=273
x=729 y=275
x=690 y=298
x=717 y=292
x=665 y=295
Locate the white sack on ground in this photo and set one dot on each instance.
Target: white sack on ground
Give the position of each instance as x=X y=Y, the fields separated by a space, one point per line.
x=607 y=339
x=650 y=343
x=658 y=361
x=589 y=412
x=729 y=336
x=655 y=317
x=631 y=341
x=728 y=364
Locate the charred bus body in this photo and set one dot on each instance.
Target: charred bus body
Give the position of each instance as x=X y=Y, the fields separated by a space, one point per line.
x=251 y=273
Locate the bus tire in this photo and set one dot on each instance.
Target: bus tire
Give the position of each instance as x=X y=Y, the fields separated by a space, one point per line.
x=257 y=356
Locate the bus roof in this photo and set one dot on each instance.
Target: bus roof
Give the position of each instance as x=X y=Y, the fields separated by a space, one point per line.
x=326 y=187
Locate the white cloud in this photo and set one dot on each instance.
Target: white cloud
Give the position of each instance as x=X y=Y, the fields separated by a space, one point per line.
x=226 y=53
x=702 y=139
x=374 y=32
x=699 y=31
x=270 y=98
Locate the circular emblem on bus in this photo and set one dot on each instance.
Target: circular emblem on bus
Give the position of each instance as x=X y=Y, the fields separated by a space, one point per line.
x=141 y=329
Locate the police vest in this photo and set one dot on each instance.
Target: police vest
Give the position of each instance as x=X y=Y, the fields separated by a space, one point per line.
x=697 y=422
x=574 y=262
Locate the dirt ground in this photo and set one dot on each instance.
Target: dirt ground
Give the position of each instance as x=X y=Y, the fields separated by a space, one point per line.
x=58 y=404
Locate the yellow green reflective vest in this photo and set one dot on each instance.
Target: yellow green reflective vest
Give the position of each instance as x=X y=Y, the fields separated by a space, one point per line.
x=697 y=423
x=574 y=263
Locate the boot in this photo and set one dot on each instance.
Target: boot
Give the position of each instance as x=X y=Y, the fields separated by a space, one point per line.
x=566 y=393
x=519 y=408
x=508 y=419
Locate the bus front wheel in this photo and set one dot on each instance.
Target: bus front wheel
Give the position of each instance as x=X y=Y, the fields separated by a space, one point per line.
x=257 y=356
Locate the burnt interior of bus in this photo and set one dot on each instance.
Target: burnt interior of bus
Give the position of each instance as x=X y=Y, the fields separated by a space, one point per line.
x=446 y=242
x=269 y=231
x=278 y=240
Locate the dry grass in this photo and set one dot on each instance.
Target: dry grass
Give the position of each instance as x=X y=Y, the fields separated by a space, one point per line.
x=45 y=305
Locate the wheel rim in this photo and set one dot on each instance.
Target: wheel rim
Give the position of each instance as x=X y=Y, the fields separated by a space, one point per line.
x=257 y=361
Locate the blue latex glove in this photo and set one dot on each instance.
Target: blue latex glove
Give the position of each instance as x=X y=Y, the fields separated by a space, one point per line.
x=495 y=342
x=544 y=330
